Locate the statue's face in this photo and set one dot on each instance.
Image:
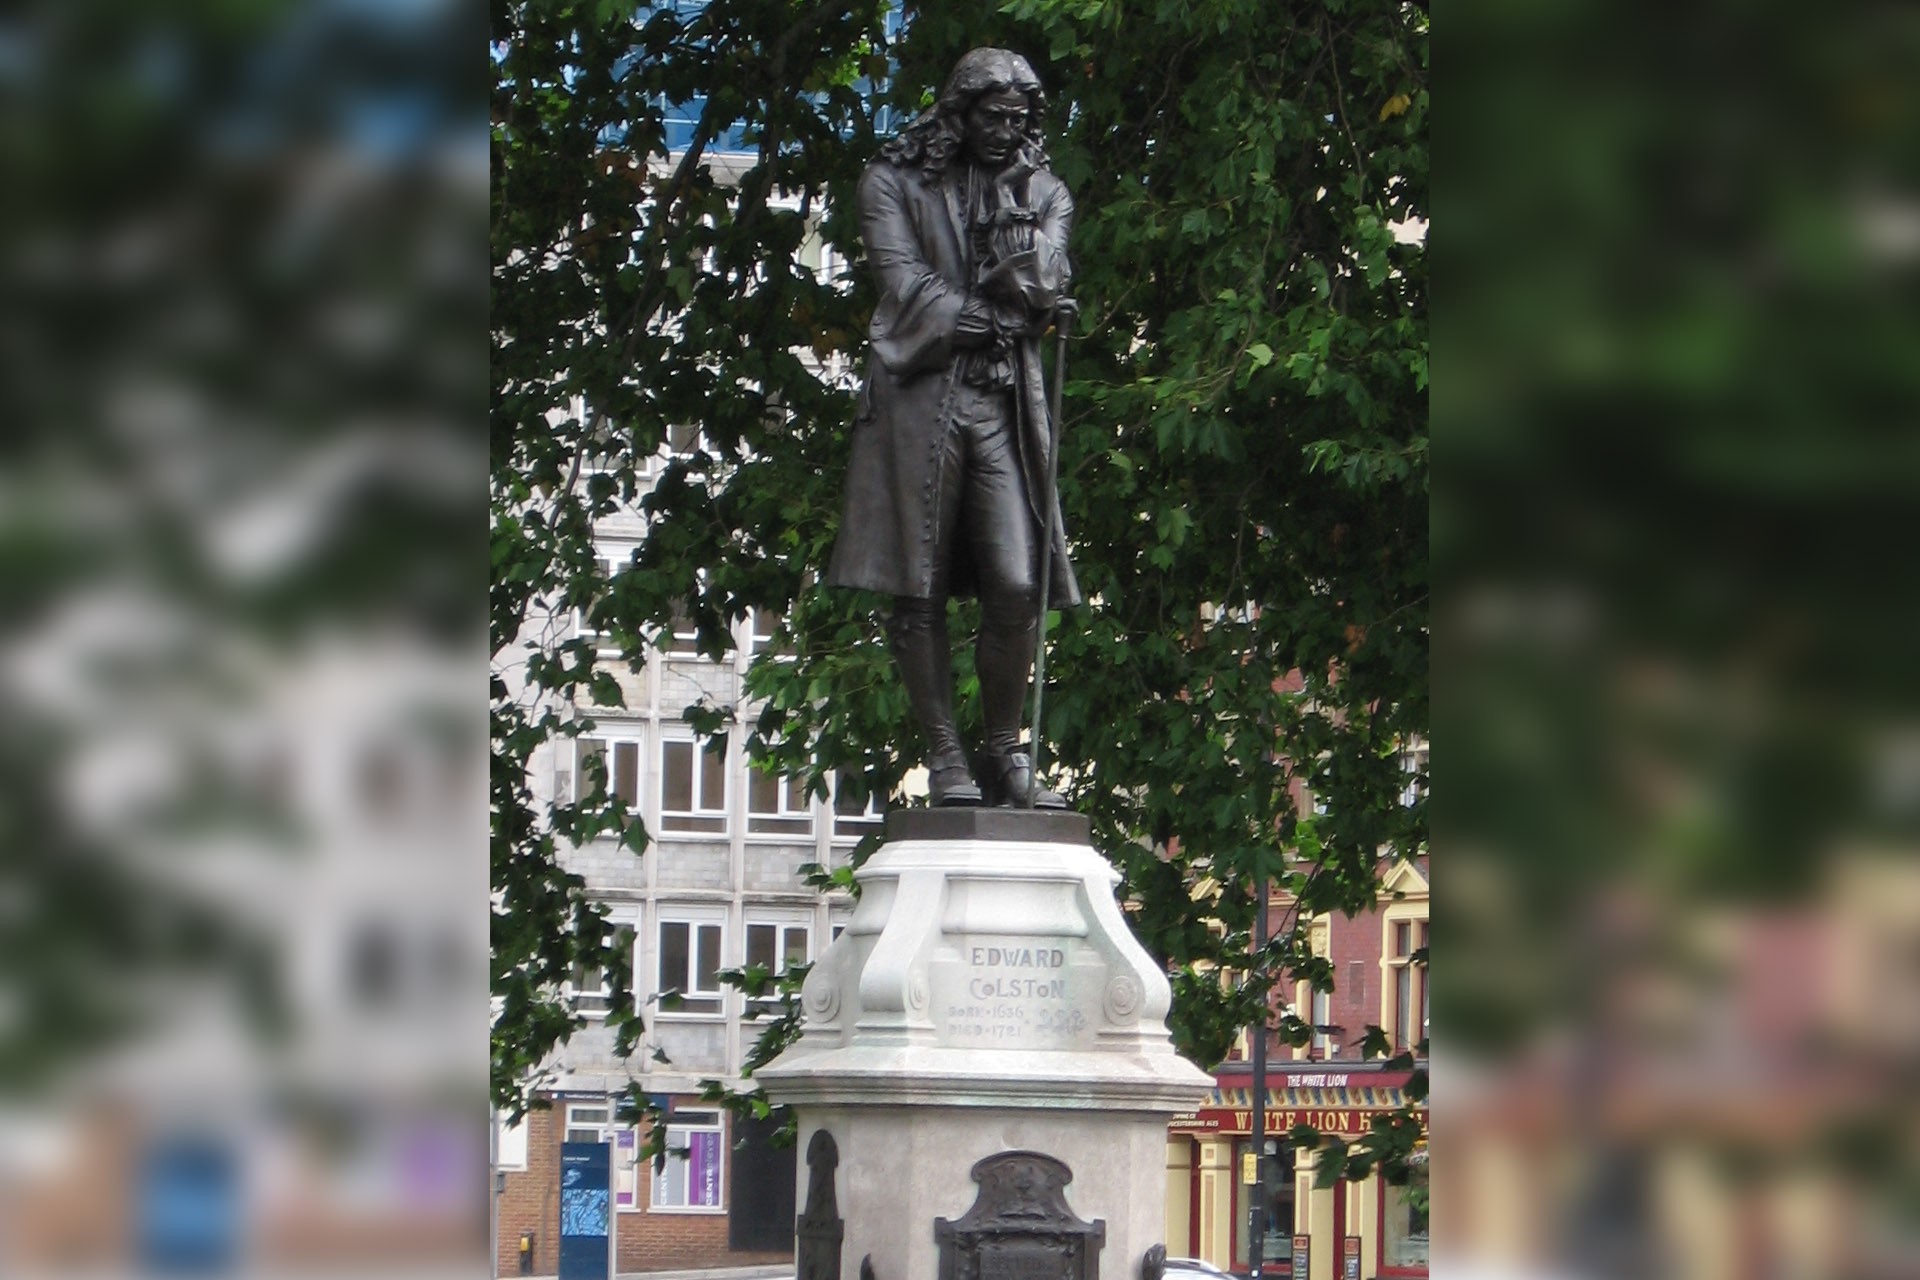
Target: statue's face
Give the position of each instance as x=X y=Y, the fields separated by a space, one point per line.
x=996 y=123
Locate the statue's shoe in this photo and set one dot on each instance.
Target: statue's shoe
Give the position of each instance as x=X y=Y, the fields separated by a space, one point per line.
x=950 y=783
x=1009 y=776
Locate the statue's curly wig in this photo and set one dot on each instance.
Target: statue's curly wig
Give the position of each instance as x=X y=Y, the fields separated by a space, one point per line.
x=933 y=138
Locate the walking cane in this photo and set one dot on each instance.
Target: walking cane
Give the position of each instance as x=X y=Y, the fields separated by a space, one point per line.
x=1066 y=310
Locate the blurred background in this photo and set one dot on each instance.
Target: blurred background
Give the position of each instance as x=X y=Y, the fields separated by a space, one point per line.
x=1677 y=747
x=242 y=765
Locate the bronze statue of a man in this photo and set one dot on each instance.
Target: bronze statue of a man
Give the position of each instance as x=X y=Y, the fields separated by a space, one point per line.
x=949 y=492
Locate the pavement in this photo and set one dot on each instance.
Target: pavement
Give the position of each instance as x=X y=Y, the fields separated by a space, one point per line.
x=412 y=1271
x=770 y=1271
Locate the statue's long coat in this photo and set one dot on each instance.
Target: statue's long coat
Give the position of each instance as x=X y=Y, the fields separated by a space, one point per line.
x=913 y=227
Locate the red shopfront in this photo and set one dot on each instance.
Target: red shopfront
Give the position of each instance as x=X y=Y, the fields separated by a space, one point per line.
x=1366 y=1227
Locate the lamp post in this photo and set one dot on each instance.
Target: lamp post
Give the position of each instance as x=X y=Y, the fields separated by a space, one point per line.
x=1257 y=1195
x=493 y=1192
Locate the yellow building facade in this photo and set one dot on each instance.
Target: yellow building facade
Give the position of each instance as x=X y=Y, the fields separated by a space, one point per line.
x=1356 y=1230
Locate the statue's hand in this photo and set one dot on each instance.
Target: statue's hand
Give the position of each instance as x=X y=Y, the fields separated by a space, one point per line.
x=1017 y=281
x=974 y=327
x=1002 y=281
x=1011 y=181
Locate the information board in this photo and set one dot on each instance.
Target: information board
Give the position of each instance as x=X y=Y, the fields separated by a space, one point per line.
x=1302 y=1247
x=1350 y=1261
x=586 y=1211
x=187 y=1206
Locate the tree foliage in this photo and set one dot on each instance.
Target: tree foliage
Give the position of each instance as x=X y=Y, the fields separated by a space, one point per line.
x=1244 y=459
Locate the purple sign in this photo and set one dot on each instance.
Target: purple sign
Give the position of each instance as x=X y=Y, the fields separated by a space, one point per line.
x=626 y=1193
x=703 y=1169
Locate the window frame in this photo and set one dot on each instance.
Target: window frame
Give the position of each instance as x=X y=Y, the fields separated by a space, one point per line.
x=656 y=463
x=1397 y=1270
x=1416 y=765
x=688 y=822
x=696 y=919
x=608 y=567
x=598 y=1004
x=781 y=921
x=577 y=1121
x=1398 y=967
x=791 y=823
x=760 y=640
x=625 y=1169
x=511 y=1153
x=856 y=826
x=1320 y=1046
x=615 y=745
x=712 y=1122
x=682 y=636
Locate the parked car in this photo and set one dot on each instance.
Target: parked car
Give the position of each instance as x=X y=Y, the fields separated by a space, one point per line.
x=1192 y=1269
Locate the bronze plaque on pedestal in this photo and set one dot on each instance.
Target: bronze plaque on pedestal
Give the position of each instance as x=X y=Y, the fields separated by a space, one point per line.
x=1020 y=1227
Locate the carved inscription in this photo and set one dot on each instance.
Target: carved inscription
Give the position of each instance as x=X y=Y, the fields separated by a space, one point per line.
x=1023 y=1262
x=1017 y=973
x=1013 y=994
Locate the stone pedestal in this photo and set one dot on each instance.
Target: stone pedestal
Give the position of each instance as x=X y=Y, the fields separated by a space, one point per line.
x=987 y=998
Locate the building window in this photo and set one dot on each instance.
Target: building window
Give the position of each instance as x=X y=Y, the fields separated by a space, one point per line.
x=1275 y=1192
x=588 y=1123
x=1318 y=1005
x=778 y=804
x=1403 y=1226
x=689 y=972
x=1414 y=766
x=683 y=439
x=1323 y=1042
x=621 y=760
x=682 y=444
x=856 y=810
x=626 y=1169
x=583 y=618
x=693 y=787
x=595 y=1123
x=510 y=1144
x=691 y=1177
x=683 y=636
x=765 y=625
x=777 y=946
x=819 y=257
x=592 y=989
x=1408 y=983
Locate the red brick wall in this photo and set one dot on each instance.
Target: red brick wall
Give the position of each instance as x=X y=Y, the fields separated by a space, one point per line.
x=1354 y=945
x=643 y=1241
x=530 y=1205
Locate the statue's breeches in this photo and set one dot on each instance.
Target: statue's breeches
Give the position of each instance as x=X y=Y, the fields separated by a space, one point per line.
x=981 y=509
